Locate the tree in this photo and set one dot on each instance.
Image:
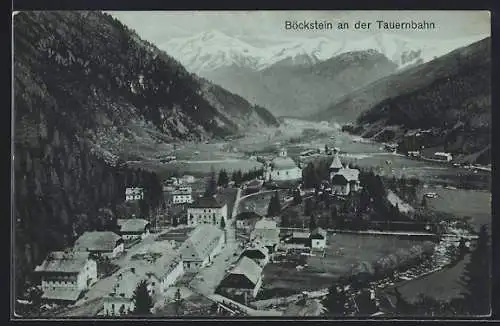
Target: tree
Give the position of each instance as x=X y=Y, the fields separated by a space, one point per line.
x=274 y=207
x=326 y=149
x=308 y=207
x=211 y=188
x=222 y=223
x=477 y=278
x=177 y=301
x=336 y=301
x=214 y=220
x=297 y=197
x=142 y=299
x=424 y=202
x=223 y=179
x=175 y=222
x=312 y=223
x=35 y=297
x=237 y=177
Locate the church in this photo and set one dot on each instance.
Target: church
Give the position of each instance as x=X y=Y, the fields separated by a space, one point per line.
x=343 y=180
x=283 y=168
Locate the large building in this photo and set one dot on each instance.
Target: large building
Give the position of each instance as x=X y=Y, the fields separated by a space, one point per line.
x=101 y=243
x=65 y=275
x=266 y=233
x=133 y=228
x=244 y=280
x=203 y=244
x=134 y=194
x=282 y=168
x=318 y=238
x=207 y=210
x=343 y=179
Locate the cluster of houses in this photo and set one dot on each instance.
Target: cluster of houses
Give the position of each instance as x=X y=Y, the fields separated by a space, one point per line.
x=66 y=274
x=178 y=190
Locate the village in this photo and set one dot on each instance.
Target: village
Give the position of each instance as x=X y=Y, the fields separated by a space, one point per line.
x=223 y=247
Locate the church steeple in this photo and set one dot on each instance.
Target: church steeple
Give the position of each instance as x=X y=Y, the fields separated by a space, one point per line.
x=336 y=163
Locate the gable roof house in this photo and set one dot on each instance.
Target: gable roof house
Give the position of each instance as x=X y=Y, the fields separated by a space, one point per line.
x=134 y=227
x=245 y=279
x=266 y=233
x=65 y=275
x=203 y=244
x=104 y=243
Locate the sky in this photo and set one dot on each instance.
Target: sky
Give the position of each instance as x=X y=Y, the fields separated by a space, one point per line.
x=268 y=26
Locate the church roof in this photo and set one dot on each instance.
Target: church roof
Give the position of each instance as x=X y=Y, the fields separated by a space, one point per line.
x=336 y=163
x=283 y=163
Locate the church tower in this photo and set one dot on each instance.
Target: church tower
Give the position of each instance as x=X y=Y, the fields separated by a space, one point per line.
x=283 y=153
x=336 y=165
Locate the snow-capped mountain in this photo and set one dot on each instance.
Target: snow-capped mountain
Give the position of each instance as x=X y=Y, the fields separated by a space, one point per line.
x=211 y=50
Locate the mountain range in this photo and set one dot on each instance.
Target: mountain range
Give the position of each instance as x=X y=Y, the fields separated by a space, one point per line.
x=303 y=76
x=450 y=95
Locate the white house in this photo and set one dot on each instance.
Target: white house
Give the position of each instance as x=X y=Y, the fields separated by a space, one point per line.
x=134 y=194
x=203 y=244
x=133 y=228
x=172 y=271
x=182 y=195
x=103 y=243
x=282 y=168
x=318 y=238
x=207 y=210
x=188 y=179
x=65 y=275
x=447 y=157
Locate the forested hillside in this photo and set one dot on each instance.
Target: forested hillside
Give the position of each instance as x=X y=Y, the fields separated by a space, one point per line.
x=83 y=84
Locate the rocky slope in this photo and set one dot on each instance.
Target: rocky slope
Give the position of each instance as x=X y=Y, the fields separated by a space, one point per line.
x=302 y=87
x=449 y=97
x=85 y=88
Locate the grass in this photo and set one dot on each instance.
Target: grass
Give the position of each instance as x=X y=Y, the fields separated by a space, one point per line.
x=342 y=253
x=443 y=285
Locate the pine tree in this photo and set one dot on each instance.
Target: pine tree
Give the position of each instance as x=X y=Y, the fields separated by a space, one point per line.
x=274 y=207
x=178 y=301
x=312 y=223
x=223 y=179
x=308 y=207
x=477 y=278
x=142 y=299
x=424 y=202
x=211 y=188
x=297 y=197
x=336 y=301
x=222 y=223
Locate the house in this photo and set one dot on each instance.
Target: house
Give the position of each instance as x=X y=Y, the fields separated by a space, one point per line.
x=343 y=180
x=297 y=240
x=207 y=210
x=244 y=280
x=203 y=244
x=447 y=157
x=318 y=238
x=182 y=195
x=266 y=233
x=133 y=228
x=253 y=186
x=65 y=275
x=134 y=194
x=102 y=243
x=121 y=299
x=258 y=254
x=282 y=168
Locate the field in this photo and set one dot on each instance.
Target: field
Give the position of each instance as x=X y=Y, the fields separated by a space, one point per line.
x=443 y=285
x=342 y=253
x=259 y=202
x=461 y=202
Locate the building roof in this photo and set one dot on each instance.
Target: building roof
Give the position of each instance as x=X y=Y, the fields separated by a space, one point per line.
x=283 y=163
x=300 y=235
x=207 y=202
x=258 y=252
x=255 y=183
x=318 y=232
x=248 y=215
x=339 y=179
x=249 y=268
x=132 y=225
x=267 y=234
x=350 y=174
x=126 y=283
x=200 y=242
x=336 y=163
x=97 y=241
x=61 y=294
x=63 y=262
x=266 y=223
